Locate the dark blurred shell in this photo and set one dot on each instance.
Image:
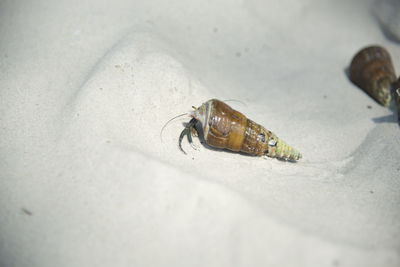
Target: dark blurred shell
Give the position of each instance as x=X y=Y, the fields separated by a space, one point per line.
x=372 y=70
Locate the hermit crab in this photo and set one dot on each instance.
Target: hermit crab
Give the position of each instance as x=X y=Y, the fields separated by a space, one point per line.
x=223 y=127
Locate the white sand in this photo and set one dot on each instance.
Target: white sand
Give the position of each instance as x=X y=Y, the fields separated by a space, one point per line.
x=85 y=88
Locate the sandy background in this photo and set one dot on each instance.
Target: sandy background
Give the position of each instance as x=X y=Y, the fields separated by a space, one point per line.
x=85 y=87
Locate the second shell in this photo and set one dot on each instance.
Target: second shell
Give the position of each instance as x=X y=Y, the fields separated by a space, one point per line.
x=372 y=70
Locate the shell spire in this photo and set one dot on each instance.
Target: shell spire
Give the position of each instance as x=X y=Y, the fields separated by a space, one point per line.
x=277 y=148
x=372 y=70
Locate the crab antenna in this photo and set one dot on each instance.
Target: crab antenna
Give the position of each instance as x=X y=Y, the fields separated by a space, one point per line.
x=162 y=129
x=235 y=100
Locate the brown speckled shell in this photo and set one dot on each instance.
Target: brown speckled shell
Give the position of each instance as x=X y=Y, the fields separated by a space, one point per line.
x=230 y=129
x=372 y=70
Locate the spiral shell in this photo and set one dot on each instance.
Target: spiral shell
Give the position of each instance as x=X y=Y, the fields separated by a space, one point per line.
x=372 y=70
x=224 y=127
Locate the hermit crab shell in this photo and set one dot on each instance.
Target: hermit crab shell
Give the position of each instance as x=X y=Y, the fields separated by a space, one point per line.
x=372 y=70
x=226 y=128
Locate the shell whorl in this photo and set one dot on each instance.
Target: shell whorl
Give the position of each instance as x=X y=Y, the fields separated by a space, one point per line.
x=279 y=149
x=372 y=70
